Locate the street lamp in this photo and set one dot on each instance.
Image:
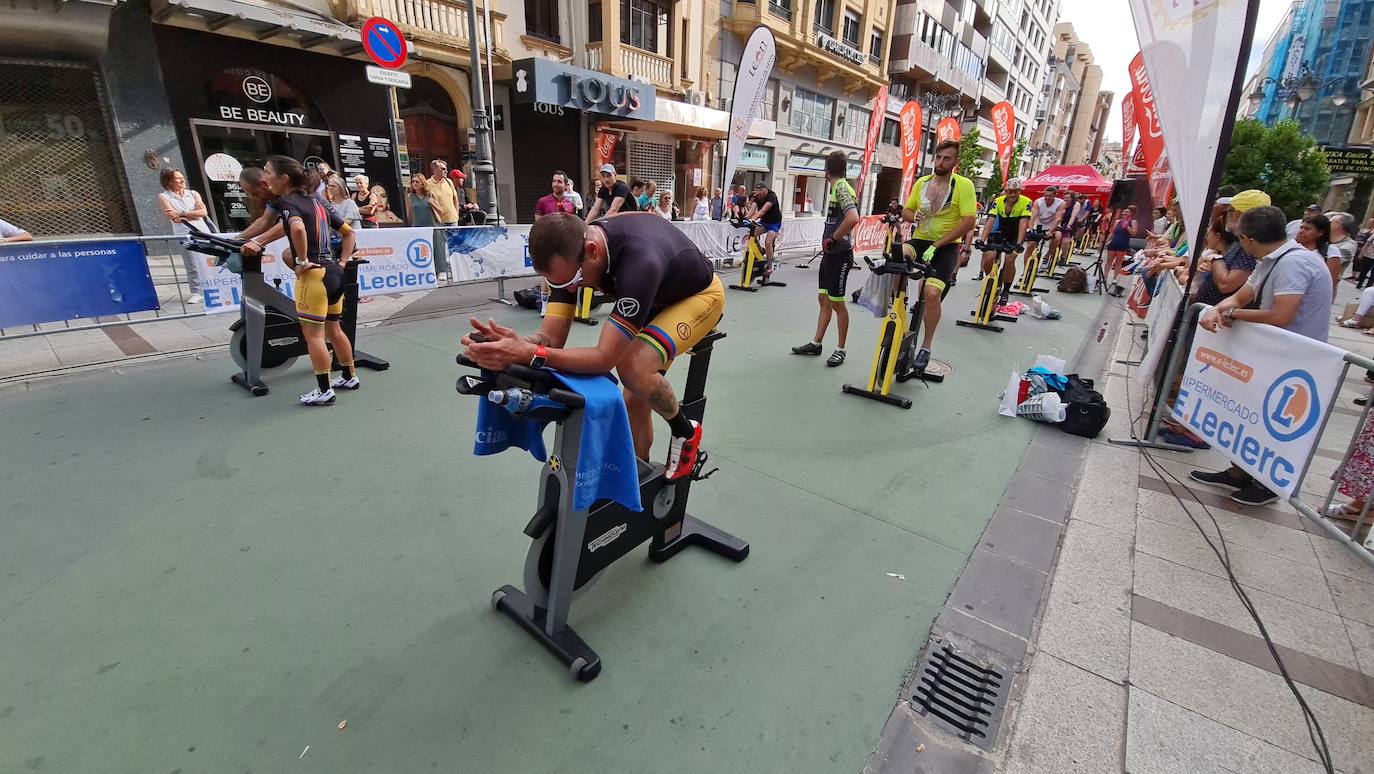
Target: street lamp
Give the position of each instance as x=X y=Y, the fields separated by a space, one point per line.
x=1294 y=90
x=1044 y=150
x=934 y=103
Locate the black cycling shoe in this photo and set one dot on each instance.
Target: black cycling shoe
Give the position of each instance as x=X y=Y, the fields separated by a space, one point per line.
x=836 y=358
x=809 y=348
x=919 y=363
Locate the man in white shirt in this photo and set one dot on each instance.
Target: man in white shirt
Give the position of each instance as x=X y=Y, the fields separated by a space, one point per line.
x=12 y=233
x=1293 y=287
x=1292 y=227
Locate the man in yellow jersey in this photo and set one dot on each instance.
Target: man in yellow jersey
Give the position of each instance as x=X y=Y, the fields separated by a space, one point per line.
x=944 y=208
x=1009 y=218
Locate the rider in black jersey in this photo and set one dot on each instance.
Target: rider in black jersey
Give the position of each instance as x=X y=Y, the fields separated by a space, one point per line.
x=667 y=298
x=308 y=222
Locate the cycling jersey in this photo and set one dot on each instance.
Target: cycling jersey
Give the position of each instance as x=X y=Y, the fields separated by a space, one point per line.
x=652 y=267
x=319 y=220
x=842 y=200
x=941 y=217
x=1008 y=218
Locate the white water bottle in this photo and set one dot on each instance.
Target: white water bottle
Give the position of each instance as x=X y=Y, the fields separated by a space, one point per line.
x=515 y=399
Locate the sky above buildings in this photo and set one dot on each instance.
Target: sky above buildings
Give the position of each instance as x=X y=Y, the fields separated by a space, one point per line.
x=1107 y=28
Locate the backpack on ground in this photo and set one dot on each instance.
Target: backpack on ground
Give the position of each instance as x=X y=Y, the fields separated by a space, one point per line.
x=527 y=298
x=1075 y=280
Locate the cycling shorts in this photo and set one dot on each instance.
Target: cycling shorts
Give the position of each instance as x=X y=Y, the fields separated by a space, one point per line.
x=681 y=326
x=774 y=227
x=319 y=294
x=943 y=265
x=834 y=273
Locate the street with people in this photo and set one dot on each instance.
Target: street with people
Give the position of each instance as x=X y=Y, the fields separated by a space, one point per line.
x=422 y=391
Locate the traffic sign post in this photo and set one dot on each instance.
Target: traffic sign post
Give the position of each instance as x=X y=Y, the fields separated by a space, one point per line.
x=384 y=43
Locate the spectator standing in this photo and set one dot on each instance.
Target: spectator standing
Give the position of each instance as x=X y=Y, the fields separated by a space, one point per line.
x=12 y=233
x=1293 y=288
x=665 y=207
x=1293 y=225
x=1225 y=274
x=1314 y=233
x=571 y=191
x=1343 y=239
x=701 y=205
x=186 y=210
x=443 y=196
x=336 y=193
x=418 y=205
x=1123 y=231
x=558 y=201
x=1364 y=258
x=612 y=197
x=469 y=212
x=648 y=197
x=362 y=197
x=1161 y=221
x=717 y=205
x=325 y=172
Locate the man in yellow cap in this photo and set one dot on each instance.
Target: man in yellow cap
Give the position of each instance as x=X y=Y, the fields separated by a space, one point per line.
x=1224 y=274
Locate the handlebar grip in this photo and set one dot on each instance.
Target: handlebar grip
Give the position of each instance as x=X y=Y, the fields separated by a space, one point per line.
x=567 y=398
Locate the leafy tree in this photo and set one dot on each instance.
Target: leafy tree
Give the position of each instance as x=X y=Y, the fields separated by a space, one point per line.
x=970 y=155
x=1279 y=160
x=994 y=186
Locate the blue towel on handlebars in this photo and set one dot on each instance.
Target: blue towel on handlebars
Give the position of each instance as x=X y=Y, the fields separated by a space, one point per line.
x=606 y=465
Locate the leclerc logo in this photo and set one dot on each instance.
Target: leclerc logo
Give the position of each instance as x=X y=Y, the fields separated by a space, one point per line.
x=420 y=253
x=1291 y=407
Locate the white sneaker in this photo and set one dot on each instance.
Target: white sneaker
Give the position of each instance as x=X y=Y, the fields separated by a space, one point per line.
x=340 y=383
x=317 y=398
x=195 y=299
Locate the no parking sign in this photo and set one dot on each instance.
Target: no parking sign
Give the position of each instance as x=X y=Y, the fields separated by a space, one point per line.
x=383 y=42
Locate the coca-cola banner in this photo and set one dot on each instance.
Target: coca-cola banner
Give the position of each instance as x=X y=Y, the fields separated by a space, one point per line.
x=1195 y=55
x=1127 y=126
x=910 y=119
x=1004 y=127
x=751 y=76
x=1151 y=134
x=875 y=129
x=605 y=147
x=947 y=129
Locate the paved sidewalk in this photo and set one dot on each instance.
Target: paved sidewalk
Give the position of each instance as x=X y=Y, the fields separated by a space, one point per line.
x=1145 y=661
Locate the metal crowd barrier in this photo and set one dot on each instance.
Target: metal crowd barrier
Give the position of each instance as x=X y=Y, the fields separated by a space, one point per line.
x=1363 y=549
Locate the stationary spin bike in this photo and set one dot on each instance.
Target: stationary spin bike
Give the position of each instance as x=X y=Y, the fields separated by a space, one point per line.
x=756 y=264
x=267 y=335
x=571 y=548
x=986 y=314
x=897 y=338
x=1030 y=272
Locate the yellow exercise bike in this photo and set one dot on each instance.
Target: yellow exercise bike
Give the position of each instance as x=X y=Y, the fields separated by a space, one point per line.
x=1030 y=271
x=897 y=337
x=986 y=314
x=757 y=268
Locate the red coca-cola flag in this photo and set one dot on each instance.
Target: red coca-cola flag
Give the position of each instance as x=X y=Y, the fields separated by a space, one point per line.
x=875 y=129
x=1151 y=133
x=1004 y=129
x=910 y=119
x=605 y=147
x=948 y=129
x=1127 y=126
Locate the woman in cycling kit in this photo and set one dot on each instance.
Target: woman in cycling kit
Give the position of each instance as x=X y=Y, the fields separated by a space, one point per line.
x=309 y=223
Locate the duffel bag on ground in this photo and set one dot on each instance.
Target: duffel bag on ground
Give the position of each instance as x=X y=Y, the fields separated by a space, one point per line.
x=528 y=298
x=1085 y=419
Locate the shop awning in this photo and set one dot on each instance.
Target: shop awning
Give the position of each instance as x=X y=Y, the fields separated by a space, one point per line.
x=274 y=25
x=693 y=121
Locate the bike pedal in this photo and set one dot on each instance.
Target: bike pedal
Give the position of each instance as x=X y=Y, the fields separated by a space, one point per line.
x=697 y=475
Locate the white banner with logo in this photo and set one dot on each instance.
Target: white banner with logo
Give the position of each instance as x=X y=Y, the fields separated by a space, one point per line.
x=1160 y=318
x=1260 y=395
x=751 y=77
x=1191 y=51
x=488 y=252
x=399 y=260
x=719 y=239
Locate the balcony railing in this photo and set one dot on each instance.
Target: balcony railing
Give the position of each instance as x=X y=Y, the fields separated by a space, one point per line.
x=443 y=22
x=635 y=63
x=780 y=9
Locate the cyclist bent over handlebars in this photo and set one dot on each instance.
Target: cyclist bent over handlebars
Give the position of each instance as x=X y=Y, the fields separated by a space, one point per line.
x=1009 y=218
x=944 y=208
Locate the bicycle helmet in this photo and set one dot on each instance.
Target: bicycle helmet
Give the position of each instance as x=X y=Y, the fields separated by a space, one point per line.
x=1016 y=184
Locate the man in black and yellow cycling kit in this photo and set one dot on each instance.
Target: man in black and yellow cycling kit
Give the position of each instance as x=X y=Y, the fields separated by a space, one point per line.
x=944 y=208
x=837 y=254
x=1009 y=218
x=308 y=223
x=667 y=298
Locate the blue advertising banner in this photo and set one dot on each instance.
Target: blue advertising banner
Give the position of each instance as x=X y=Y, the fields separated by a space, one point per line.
x=42 y=283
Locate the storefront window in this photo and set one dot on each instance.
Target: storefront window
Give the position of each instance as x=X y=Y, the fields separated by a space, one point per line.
x=812 y=113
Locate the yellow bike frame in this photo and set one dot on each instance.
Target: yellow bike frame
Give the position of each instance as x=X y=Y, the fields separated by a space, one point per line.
x=986 y=312
x=753 y=257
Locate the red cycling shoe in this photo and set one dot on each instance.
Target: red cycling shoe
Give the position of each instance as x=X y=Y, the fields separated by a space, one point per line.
x=682 y=454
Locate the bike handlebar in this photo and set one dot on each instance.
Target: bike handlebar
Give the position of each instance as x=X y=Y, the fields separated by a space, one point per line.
x=999 y=247
x=537 y=380
x=902 y=268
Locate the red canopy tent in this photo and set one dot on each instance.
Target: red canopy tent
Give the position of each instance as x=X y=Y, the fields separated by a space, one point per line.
x=1077 y=179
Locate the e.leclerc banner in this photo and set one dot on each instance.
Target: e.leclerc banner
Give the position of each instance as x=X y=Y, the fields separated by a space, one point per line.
x=947 y=129
x=1151 y=133
x=1127 y=127
x=1004 y=127
x=910 y=120
x=399 y=260
x=875 y=129
x=1190 y=50
x=1259 y=395
x=751 y=77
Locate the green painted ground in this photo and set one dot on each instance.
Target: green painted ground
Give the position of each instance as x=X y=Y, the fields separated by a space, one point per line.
x=194 y=580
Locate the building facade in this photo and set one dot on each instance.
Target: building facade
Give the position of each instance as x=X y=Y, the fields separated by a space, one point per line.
x=1071 y=125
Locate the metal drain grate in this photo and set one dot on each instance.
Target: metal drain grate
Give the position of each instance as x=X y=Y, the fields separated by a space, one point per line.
x=961 y=696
